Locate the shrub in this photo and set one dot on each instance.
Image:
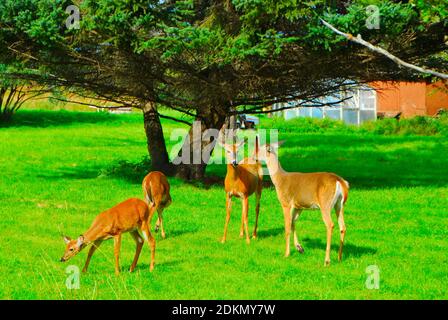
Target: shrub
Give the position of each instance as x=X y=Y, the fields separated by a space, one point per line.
x=419 y=125
x=133 y=172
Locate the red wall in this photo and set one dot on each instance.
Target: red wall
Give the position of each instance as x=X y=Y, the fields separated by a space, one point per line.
x=410 y=98
x=436 y=97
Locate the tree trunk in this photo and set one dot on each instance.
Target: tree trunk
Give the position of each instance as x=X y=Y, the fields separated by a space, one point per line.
x=198 y=146
x=156 y=142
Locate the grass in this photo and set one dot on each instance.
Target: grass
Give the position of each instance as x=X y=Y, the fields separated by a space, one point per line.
x=52 y=182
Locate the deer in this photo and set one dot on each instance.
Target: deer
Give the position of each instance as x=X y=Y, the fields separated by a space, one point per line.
x=298 y=191
x=156 y=190
x=242 y=180
x=132 y=215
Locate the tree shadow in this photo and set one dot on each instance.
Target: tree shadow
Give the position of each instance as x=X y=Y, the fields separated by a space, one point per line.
x=179 y=232
x=365 y=162
x=143 y=266
x=270 y=232
x=349 y=249
x=77 y=173
x=42 y=119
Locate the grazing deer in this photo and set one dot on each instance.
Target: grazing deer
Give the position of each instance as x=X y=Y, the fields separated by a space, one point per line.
x=128 y=216
x=242 y=180
x=298 y=191
x=157 y=193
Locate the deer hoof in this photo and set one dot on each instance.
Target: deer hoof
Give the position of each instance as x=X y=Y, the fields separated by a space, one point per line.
x=299 y=248
x=327 y=263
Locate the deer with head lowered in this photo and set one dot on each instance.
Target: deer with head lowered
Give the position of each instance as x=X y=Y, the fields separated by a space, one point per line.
x=299 y=191
x=243 y=179
x=130 y=216
x=157 y=194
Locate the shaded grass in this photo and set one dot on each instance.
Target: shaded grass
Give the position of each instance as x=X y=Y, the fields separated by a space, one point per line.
x=51 y=183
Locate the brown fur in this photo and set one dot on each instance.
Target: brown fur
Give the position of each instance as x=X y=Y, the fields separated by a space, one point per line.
x=242 y=181
x=128 y=216
x=156 y=190
x=298 y=191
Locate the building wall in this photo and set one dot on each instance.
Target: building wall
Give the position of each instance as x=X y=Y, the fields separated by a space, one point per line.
x=406 y=97
x=388 y=98
x=410 y=98
x=436 y=97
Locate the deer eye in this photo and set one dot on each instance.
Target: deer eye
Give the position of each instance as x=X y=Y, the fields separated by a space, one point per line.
x=71 y=249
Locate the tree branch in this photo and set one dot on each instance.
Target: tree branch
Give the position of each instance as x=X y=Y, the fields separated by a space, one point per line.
x=379 y=50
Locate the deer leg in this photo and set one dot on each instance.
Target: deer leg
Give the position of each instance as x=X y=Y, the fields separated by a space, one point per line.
x=117 y=245
x=160 y=222
x=228 y=210
x=151 y=243
x=139 y=245
x=295 y=213
x=287 y=217
x=92 y=249
x=257 y=211
x=242 y=224
x=152 y=212
x=340 y=214
x=246 y=218
x=326 y=216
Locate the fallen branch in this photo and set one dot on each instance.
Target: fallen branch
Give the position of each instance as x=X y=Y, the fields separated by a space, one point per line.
x=386 y=53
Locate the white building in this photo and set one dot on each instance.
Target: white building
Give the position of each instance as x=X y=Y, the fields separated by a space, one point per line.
x=359 y=108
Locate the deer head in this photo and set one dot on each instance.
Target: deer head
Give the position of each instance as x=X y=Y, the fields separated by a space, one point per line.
x=73 y=247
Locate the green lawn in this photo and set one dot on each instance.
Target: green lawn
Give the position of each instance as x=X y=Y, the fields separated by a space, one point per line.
x=52 y=182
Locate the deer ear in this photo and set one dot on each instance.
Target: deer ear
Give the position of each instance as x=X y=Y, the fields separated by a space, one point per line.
x=277 y=144
x=66 y=239
x=80 y=241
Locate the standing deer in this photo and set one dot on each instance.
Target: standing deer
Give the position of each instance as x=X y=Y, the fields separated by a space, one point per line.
x=128 y=216
x=157 y=193
x=298 y=191
x=242 y=180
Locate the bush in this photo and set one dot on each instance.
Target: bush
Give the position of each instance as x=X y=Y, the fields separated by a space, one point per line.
x=133 y=172
x=419 y=125
x=309 y=125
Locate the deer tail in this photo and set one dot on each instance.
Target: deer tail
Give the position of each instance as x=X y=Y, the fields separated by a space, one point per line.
x=345 y=187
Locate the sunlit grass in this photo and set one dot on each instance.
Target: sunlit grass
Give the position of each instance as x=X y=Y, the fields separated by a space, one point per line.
x=50 y=184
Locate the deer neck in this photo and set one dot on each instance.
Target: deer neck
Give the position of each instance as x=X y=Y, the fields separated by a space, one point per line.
x=95 y=232
x=232 y=172
x=275 y=168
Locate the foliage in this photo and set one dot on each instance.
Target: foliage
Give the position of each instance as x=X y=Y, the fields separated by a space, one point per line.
x=419 y=125
x=209 y=59
x=14 y=93
x=196 y=55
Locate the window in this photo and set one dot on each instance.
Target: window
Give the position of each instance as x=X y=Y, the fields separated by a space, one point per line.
x=359 y=108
